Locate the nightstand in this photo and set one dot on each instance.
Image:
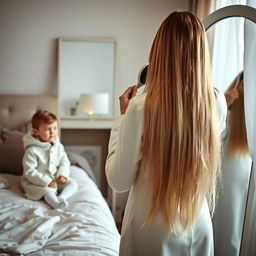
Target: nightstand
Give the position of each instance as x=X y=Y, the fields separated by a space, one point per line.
x=89 y=131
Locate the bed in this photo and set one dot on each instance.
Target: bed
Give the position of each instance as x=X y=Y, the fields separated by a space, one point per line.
x=27 y=227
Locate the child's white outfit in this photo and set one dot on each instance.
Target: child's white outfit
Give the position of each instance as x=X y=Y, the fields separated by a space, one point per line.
x=44 y=162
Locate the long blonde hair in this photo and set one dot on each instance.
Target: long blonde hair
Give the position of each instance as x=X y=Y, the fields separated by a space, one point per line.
x=181 y=144
x=237 y=138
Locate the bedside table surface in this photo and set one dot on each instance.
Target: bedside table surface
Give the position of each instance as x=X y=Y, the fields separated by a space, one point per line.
x=78 y=122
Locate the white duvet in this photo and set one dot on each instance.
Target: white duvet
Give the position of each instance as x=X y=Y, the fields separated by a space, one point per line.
x=32 y=227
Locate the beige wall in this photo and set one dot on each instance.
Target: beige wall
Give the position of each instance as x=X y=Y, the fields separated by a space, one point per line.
x=29 y=29
x=28 y=47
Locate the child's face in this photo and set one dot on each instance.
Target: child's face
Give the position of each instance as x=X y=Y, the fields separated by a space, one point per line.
x=47 y=132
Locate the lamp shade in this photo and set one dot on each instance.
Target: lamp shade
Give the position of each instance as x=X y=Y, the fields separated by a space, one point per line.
x=97 y=103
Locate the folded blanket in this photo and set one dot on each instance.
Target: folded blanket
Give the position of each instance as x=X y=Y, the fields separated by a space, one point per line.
x=27 y=232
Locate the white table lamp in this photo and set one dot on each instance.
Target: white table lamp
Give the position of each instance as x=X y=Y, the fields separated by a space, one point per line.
x=94 y=104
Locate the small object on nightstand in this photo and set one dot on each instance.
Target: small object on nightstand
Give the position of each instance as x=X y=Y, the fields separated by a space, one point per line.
x=73 y=110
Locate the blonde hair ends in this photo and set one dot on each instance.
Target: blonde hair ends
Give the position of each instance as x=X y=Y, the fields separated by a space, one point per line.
x=237 y=137
x=181 y=145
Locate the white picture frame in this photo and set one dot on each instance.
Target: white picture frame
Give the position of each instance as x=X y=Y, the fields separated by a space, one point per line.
x=92 y=154
x=85 y=65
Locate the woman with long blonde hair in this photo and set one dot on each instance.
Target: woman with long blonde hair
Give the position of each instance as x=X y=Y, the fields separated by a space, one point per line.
x=165 y=147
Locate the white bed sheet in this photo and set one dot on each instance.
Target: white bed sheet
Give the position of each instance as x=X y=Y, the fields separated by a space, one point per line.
x=32 y=227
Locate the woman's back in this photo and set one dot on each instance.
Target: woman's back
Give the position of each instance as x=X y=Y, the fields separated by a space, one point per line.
x=155 y=239
x=166 y=148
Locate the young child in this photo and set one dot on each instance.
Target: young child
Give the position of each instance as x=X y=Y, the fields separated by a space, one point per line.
x=45 y=163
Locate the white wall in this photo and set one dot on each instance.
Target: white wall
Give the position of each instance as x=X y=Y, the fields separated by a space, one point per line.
x=29 y=30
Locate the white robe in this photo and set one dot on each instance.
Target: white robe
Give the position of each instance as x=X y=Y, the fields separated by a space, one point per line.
x=229 y=213
x=123 y=174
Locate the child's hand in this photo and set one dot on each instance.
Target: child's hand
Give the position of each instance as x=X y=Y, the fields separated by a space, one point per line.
x=53 y=184
x=62 y=180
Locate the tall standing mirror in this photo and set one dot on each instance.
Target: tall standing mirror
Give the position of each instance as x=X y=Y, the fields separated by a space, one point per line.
x=225 y=31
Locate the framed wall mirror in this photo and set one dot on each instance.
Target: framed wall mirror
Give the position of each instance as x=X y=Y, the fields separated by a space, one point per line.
x=85 y=66
x=233 y=74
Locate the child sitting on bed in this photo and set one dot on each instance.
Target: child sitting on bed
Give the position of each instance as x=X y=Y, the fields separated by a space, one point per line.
x=45 y=163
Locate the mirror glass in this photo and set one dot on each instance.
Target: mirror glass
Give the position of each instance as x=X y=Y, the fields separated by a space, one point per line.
x=226 y=44
x=86 y=66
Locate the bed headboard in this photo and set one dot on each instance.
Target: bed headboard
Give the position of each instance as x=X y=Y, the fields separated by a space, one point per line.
x=16 y=112
x=16 y=109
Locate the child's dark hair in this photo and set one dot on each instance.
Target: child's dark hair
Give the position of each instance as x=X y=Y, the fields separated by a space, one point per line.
x=42 y=116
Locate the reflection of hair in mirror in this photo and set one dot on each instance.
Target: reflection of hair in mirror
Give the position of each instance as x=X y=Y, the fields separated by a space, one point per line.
x=179 y=107
x=237 y=138
x=142 y=77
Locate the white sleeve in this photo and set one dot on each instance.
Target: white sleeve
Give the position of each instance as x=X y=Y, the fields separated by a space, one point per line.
x=125 y=149
x=221 y=109
x=64 y=165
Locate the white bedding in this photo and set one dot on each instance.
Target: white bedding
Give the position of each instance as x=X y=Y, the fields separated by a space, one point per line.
x=32 y=227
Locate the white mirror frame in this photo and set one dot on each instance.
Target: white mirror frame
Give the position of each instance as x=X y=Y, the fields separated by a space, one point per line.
x=230 y=11
x=250 y=14
x=84 y=70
